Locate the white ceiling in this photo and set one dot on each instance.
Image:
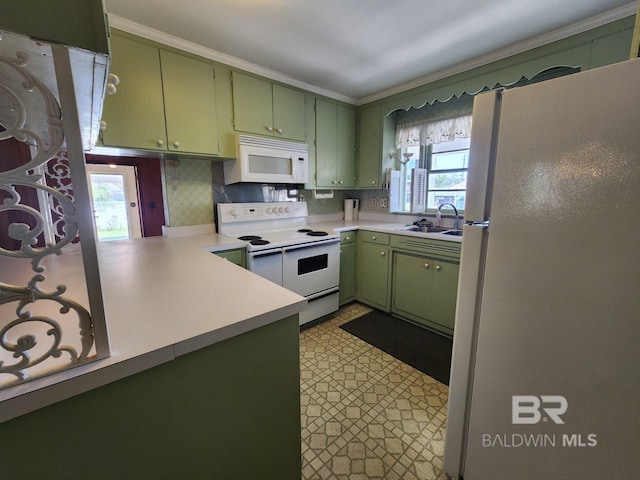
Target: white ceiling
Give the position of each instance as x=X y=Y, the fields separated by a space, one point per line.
x=358 y=50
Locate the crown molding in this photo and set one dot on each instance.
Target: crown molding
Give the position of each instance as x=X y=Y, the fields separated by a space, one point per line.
x=516 y=48
x=187 y=46
x=520 y=47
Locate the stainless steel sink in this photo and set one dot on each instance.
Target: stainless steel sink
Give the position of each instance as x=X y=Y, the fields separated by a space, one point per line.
x=429 y=229
x=456 y=233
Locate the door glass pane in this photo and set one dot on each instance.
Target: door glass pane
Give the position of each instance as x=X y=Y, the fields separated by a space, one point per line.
x=110 y=206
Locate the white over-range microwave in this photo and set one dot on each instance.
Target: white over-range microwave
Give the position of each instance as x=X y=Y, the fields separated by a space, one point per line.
x=267 y=160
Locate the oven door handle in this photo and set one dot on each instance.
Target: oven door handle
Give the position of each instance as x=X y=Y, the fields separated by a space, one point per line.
x=266 y=253
x=311 y=245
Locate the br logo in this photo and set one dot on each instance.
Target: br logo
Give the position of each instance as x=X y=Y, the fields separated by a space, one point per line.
x=531 y=409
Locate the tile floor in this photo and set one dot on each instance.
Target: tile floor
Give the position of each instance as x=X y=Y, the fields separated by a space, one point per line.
x=366 y=415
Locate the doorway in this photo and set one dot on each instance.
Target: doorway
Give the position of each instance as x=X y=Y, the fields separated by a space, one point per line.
x=114 y=199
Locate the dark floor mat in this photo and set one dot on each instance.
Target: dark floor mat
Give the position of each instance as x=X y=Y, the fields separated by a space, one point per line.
x=424 y=350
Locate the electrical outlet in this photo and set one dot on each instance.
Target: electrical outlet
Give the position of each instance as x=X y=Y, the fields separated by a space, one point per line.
x=384 y=202
x=373 y=202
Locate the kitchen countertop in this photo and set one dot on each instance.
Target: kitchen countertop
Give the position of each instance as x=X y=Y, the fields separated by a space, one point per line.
x=164 y=297
x=338 y=226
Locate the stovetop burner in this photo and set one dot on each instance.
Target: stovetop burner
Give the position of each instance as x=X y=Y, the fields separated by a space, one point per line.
x=304 y=230
x=317 y=234
x=254 y=240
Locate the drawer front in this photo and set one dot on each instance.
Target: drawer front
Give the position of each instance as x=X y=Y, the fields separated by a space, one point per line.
x=375 y=237
x=427 y=246
x=348 y=237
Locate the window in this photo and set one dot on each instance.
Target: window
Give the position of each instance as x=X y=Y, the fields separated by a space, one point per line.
x=447 y=166
x=442 y=149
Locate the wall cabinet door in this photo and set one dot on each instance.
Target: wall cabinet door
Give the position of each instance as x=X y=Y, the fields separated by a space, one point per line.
x=252 y=104
x=375 y=275
x=289 y=113
x=264 y=108
x=369 y=168
x=335 y=145
x=134 y=115
x=164 y=101
x=347 y=269
x=190 y=104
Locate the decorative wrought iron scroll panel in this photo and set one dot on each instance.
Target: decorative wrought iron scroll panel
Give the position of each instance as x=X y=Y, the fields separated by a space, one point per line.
x=50 y=319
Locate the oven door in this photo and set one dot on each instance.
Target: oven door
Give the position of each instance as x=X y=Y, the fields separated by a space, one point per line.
x=311 y=268
x=267 y=264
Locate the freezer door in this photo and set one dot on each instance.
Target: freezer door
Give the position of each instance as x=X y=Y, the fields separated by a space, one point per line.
x=555 y=383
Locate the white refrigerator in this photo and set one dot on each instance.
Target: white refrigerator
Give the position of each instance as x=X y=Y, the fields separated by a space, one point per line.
x=545 y=376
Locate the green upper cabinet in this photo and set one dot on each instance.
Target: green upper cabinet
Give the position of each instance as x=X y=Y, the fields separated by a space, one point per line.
x=369 y=169
x=189 y=104
x=164 y=101
x=335 y=145
x=134 y=115
x=268 y=109
x=289 y=113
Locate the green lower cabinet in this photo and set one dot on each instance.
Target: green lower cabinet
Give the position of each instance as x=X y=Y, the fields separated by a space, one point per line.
x=424 y=290
x=375 y=269
x=237 y=256
x=347 y=267
x=228 y=411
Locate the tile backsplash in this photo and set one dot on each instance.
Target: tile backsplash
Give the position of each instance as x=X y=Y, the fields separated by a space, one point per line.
x=188 y=191
x=194 y=186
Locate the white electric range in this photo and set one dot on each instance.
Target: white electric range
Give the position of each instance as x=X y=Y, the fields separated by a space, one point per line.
x=281 y=247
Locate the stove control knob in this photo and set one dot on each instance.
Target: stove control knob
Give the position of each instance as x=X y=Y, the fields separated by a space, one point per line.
x=268 y=210
x=280 y=210
x=233 y=212
x=286 y=209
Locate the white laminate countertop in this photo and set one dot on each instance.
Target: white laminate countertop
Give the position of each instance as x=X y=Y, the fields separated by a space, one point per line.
x=164 y=297
x=338 y=226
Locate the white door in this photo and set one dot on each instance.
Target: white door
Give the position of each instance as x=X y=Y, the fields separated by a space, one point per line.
x=114 y=197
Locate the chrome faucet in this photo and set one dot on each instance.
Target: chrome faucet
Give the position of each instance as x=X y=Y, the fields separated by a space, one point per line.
x=456 y=225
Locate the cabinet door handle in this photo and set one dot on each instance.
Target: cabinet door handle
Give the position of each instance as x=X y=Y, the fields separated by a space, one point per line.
x=270 y=129
x=347 y=238
x=438 y=267
x=279 y=130
x=176 y=144
x=374 y=237
x=340 y=182
x=160 y=143
x=426 y=265
x=382 y=254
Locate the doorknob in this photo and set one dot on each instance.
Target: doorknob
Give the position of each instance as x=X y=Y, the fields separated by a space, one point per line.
x=132 y=204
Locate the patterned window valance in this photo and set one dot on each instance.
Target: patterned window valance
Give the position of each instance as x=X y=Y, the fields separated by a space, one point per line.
x=430 y=132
